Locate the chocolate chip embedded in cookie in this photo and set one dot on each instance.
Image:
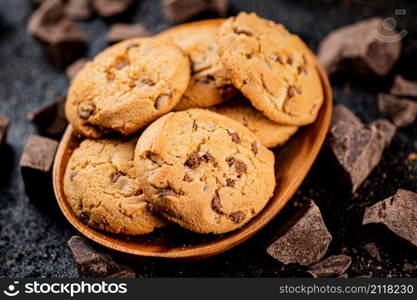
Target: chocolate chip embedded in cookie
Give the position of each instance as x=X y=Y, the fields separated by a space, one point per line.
x=209 y=83
x=127 y=86
x=101 y=187
x=270 y=133
x=204 y=171
x=273 y=68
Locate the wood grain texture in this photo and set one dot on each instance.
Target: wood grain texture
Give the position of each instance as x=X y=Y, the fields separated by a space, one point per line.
x=293 y=161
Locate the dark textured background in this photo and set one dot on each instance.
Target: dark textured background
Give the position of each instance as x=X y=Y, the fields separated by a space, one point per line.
x=33 y=233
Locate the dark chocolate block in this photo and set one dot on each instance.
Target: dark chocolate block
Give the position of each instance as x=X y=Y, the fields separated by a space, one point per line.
x=61 y=39
x=386 y=128
x=119 y=32
x=402 y=112
x=361 y=48
x=182 y=10
x=334 y=265
x=78 y=9
x=50 y=119
x=92 y=262
x=305 y=243
x=403 y=87
x=4 y=126
x=373 y=251
x=111 y=8
x=398 y=213
x=73 y=68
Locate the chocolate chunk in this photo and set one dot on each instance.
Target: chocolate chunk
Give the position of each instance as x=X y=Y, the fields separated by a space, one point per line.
x=73 y=68
x=306 y=242
x=401 y=111
x=403 y=87
x=235 y=137
x=216 y=204
x=50 y=119
x=355 y=151
x=230 y=182
x=398 y=213
x=111 y=8
x=119 y=32
x=334 y=265
x=237 y=216
x=240 y=167
x=342 y=113
x=182 y=10
x=293 y=91
x=92 y=262
x=230 y=161
x=209 y=158
x=373 y=251
x=360 y=48
x=254 y=148
x=4 y=126
x=78 y=9
x=61 y=39
x=193 y=160
x=385 y=127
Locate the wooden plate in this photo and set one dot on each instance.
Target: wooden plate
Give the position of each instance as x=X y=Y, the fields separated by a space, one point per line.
x=293 y=161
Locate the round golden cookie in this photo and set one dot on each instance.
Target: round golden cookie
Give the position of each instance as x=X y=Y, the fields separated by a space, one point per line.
x=204 y=171
x=209 y=84
x=102 y=189
x=270 y=133
x=273 y=68
x=127 y=86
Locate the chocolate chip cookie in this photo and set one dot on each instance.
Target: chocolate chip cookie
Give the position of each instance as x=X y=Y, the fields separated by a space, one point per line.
x=209 y=84
x=273 y=68
x=270 y=133
x=127 y=86
x=102 y=189
x=204 y=171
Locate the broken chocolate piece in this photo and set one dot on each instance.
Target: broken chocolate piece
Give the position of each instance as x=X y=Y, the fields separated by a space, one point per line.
x=193 y=160
x=119 y=32
x=306 y=242
x=401 y=111
x=363 y=47
x=4 y=126
x=334 y=265
x=373 y=251
x=398 y=213
x=50 y=119
x=91 y=262
x=73 y=68
x=403 y=87
x=78 y=9
x=386 y=128
x=61 y=39
x=342 y=113
x=355 y=151
x=111 y=8
x=182 y=10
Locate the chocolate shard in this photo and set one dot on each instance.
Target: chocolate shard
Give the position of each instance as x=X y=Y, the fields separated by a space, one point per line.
x=404 y=87
x=334 y=265
x=361 y=48
x=61 y=39
x=111 y=8
x=373 y=251
x=401 y=111
x=4 y=127
x=119 y=32
x=398 y=213
x=305 y=243
x=50 y=119
x=342 y=113
x=78 y=9
x=386 y=128
x=73 y=68
x=182 y=10
x=355 y=151
x=91 y=262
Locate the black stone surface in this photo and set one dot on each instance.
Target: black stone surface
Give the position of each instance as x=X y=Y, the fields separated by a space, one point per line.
x=33 y=235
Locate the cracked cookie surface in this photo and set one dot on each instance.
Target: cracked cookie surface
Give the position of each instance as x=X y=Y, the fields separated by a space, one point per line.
x=127 y=86
x=273 y=68
x=270 y=133
x=209 y=83
x=204 y=171
x=102 y=189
